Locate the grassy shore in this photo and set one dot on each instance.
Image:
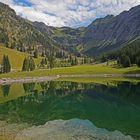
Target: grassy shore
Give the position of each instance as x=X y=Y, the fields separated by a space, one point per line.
x=81 y=69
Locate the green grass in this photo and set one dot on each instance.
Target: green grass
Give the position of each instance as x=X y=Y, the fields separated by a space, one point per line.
x=16 y=58
x=81 y=69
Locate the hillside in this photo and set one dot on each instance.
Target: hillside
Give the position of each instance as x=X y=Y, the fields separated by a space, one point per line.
x=20 y=34
x=16 y=58
x=101 y=35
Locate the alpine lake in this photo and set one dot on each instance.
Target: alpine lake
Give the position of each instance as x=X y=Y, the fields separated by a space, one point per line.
x=112 y=105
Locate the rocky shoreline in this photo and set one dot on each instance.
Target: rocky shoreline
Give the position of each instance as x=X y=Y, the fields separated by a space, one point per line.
x=26 y=79
x=49 y=78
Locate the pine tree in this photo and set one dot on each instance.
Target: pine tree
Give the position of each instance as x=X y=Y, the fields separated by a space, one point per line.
x=86 y=60
x=6 y=64
x=118 y=61
x=42 y=62
x=31 y=64
x=51 y=59
x=25 y=66
x=76 y=61
x=126 y=61
x=35 y=54
x=28 y=64
x=138 y=62
x=46 y=61
x=43 y=54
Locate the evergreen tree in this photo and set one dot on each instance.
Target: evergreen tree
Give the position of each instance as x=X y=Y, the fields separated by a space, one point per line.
x=35 y=54
x=76 y=61
x=72 y=62
x=31 y=64
x=70 y=59
x=104 y=58
x=126 y=61
x=46 y=61
x=86 y=60
x=42 y=62
x=6 y=64
x=28 y=64
x=118 y=61
x=51 y=59
x=43 y=54
x=138 y=61
x=25 y=66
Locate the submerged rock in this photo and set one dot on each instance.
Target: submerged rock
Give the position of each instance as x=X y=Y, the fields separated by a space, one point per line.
x=74 y=129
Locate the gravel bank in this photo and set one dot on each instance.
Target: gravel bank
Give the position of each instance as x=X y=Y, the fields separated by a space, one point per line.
x=27 y=79
x=49 y=78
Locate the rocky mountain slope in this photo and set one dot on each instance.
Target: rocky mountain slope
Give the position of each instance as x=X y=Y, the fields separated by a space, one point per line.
x=100 y=36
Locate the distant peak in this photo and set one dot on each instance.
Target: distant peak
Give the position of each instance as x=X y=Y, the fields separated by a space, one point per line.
x=102 y=20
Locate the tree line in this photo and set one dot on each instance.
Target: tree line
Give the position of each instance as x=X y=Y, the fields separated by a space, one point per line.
x=126 y=56
x=5 y=65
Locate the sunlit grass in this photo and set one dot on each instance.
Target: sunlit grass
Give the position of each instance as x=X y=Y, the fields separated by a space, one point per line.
x=81 y=69
x=16 y=58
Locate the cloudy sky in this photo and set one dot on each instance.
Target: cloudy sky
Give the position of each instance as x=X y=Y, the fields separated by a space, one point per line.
x=72 y=13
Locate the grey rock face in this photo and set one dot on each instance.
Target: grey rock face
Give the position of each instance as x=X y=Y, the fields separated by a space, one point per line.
x=74 y=129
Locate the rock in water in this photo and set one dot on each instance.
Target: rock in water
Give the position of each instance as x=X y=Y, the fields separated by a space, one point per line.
x=74 y=129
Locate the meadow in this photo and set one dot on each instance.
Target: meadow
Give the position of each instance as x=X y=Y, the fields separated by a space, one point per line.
x=74 y=70
x=16 y=58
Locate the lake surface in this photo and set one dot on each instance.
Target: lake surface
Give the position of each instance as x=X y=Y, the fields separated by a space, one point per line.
x=114 y=106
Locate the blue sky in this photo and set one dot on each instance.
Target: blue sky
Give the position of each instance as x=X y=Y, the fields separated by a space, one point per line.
x=73 y=13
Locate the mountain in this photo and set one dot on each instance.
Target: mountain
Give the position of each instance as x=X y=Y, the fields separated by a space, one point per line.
x=101 y=35
x=67 y=38
x=19 y=33
x=112 y=32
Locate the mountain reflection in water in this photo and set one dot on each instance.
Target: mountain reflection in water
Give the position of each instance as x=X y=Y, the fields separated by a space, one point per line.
x=114 y=107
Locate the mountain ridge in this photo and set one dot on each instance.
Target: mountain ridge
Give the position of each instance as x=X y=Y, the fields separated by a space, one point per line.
x=101 y=35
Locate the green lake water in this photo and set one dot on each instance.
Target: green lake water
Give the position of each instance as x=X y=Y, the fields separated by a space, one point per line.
x=114 y=106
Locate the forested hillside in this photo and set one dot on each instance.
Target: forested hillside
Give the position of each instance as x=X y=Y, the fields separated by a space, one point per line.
x=18 y=33
x=100 y=36
x=126 y=56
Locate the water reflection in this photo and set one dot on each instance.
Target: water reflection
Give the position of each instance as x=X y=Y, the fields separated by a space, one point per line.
x=5 y=90
x=115 y=106
x=28 y=87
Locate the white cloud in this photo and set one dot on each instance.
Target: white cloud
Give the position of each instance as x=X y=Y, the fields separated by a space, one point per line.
x=70 y=12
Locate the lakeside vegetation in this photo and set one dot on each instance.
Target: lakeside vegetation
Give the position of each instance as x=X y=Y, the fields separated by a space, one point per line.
x=80 y=69
x=75 y=66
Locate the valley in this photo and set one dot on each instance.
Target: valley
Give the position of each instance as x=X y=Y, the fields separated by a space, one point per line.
x=69 y=82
